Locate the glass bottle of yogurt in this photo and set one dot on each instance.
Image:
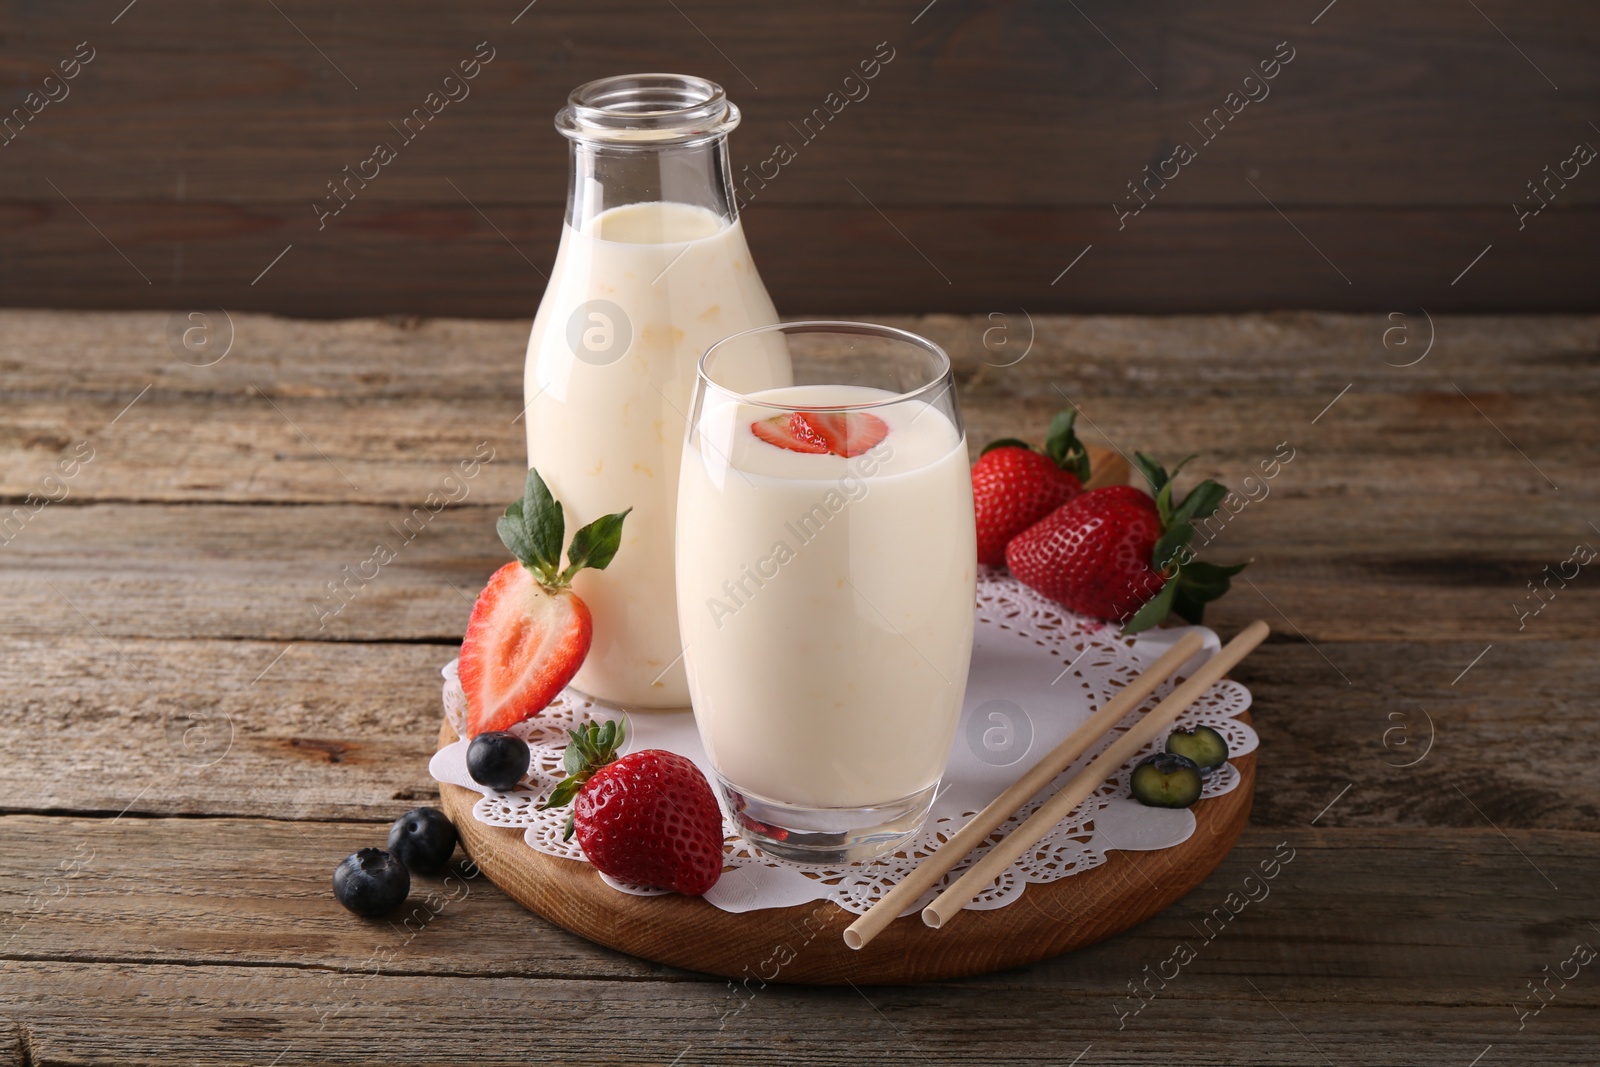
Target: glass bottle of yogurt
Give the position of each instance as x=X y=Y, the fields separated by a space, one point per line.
x=652 y=269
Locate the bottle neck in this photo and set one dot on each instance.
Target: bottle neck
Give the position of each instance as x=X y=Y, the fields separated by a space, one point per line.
x=606 y=176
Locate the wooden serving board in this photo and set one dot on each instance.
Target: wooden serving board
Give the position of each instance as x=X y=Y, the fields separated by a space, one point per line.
x=805 y=943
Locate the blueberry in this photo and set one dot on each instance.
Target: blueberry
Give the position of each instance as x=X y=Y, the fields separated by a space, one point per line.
x=1205 y=746
x=1166 y=780
x=498 y=760
x=423 y=839
x=371 y=882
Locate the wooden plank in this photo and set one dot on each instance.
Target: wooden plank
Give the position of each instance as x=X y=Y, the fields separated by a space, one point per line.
x=257 y=890
x=1414 y=741
x=1005 y=353
x=264 y=572
x=102 y=891
x=116 y=354
x=248 y=112
x=441 y=257
x=342 y=730
x=319 y=730
x=382 y=412
x=88 y=1014
x=249 y=449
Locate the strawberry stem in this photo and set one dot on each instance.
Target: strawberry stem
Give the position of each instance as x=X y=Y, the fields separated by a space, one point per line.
x=588 y=749
x=534 y=528
x=1061 y=445
x=1191 y=583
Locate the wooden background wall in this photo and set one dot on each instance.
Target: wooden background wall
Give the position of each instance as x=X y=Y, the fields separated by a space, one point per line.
x=189 y=151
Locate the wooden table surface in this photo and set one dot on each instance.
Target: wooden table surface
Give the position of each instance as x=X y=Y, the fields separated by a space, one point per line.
x=196 y=731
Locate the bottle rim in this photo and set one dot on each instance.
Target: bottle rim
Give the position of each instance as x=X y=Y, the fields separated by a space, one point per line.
x=647 y=109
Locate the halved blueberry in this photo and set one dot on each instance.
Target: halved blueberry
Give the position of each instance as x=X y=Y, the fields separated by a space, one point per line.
x=1166 y=780
x=1205 y=746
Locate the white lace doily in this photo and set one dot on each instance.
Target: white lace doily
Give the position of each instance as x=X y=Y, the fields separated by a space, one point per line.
x=1037 y=673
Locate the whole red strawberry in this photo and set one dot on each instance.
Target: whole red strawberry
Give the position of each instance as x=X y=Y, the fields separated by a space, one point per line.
x=1014 y=485
x=1119 y=554
x=1092 y=554
x=648 y=818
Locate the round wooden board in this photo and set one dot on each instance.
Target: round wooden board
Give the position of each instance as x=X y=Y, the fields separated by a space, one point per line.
x=805 y=943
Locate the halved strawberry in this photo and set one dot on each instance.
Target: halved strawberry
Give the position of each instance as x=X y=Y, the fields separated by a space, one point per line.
x=529 y=632
x=523 y=646
x=843 y=433
x=790 y=431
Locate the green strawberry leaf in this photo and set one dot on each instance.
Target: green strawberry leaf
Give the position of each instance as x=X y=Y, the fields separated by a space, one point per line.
x=514 y=534
x=1191 y=583
x=594 y=545
x=1153 y=472
x=1203 y=575
x=1164 y=555
x=574 y=758
x=1005 y=442
x=1202 y=591
x=1155 y=609
x=1202 y=501
x=544 y=523
x=1189 y=606
x=1164 y=505
x=588 y=749
x=1162 y=483
x=606 y=739
x=563 y=793
x=1199 y=583
x=1063 y=446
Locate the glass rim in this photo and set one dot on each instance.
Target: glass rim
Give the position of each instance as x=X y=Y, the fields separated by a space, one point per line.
x=942 y=379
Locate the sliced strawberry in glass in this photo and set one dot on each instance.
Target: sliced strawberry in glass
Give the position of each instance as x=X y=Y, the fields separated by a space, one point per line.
x=848 y=433
x=843 y=433
x=790 y=431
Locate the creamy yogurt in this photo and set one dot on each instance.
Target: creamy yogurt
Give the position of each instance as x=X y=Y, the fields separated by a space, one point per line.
x=634 y=299
x=827 y=602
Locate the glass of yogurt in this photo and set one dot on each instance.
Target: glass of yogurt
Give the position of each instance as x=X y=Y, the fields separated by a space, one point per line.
x=825 y=581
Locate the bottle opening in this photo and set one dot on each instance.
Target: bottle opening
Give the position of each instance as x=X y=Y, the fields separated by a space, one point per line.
x=647 y=109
